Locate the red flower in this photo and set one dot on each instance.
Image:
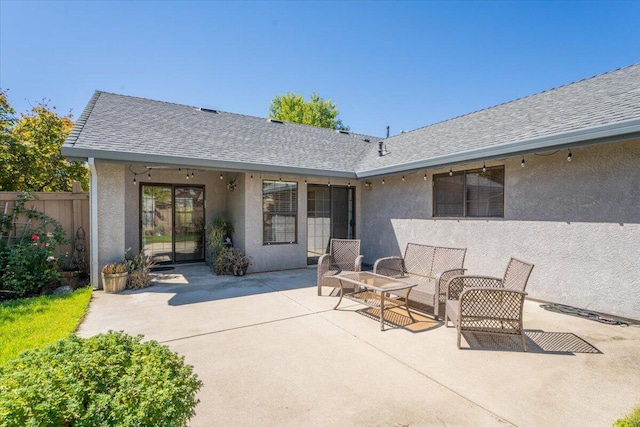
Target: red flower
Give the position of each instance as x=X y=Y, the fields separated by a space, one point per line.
x=35 y=238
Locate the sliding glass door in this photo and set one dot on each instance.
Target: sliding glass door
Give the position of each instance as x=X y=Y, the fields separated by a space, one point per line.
x=330 y=214
x=172 y=222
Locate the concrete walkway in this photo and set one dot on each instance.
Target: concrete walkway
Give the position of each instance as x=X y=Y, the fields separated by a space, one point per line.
x=271 y=352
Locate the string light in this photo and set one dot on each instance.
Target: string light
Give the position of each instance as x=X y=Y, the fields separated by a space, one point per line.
x=349 y=184
x=484 y=168
x=191 y=174
x=450 y=171
x=425 y=176
x=221 y=176
x=328 y=183
x=569 y=156
x=402 y=178
x=522 y=162
x=251 y=175
x=382 y=181
x=305 y=180
x=187 y=174
x=149 y=175
x=134 y=180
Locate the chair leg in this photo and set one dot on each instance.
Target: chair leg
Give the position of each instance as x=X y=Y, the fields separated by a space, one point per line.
x=524 y=341
x=459 y=335
x=319 y=290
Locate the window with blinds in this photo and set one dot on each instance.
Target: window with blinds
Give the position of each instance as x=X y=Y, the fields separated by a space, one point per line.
x=279 y=212
x=471 y=193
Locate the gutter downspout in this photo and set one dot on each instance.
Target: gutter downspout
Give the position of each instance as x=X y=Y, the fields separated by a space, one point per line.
x=93 y=218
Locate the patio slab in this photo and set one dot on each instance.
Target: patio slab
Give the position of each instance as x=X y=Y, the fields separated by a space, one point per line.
x=271 y=352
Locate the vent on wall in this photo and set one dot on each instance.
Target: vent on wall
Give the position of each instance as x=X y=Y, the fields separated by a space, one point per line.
x=209 y=110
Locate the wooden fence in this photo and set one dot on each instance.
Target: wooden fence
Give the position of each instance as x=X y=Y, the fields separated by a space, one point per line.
x=71 y=210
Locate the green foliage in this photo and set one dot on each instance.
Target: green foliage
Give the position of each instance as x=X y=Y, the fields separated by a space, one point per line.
x=30 y=158
x=631 y=420
x=31 y=323
x=140 y=266
x=231 y=261
x=106 y=380
x=219 y=230
x=315 y=112
x=27 y=265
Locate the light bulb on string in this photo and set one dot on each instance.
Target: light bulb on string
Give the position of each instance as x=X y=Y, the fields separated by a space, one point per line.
x=450 y=171
x=402 y=178
x=382 y=181
x=134 y=180
x=425 y=176
x=484 y=167
x=569 y=156
x=522 y=162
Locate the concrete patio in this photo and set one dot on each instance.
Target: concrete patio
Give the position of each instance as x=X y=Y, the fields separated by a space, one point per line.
x=271 y=352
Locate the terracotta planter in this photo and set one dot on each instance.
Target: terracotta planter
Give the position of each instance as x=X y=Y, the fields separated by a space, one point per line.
x=114 y=282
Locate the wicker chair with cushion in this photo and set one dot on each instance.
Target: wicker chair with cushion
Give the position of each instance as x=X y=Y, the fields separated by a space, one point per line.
x=344 y=255
x=430 y=267
x=490 y=305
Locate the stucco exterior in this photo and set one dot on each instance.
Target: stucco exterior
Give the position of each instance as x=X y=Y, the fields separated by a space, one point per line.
x=578 y=222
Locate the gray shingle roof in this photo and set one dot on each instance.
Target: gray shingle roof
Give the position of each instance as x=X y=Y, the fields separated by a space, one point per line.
x=125 y=124
x=113 y=126
x=604 y=99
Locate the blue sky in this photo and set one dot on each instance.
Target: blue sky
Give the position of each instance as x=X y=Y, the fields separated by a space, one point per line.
x=398 y=64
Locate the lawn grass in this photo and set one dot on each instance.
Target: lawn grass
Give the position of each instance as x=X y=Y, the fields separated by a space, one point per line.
x=631 y=420
x=35 y=322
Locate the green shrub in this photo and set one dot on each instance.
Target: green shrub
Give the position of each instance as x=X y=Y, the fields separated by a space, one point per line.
x=631 y=420
x=106 y=380
x=28 y=267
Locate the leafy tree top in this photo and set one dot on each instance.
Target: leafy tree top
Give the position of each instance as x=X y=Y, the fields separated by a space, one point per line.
x=30 y=150
x=315 y=112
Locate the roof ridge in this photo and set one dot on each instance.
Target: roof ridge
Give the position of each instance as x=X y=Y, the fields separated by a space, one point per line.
x=516 y=100
x=233 y=114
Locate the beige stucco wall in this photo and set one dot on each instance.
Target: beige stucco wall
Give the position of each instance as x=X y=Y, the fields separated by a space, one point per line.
x=280 y=256
x=578 y=222
x=110 y=199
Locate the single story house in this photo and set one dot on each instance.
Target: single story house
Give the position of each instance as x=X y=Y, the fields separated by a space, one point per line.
x=552 y=178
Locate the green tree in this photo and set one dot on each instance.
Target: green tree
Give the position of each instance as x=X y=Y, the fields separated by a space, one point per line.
x=315 y=112
x=30 y=158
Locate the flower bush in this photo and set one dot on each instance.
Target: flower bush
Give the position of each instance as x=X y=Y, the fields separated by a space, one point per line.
x=27 y=265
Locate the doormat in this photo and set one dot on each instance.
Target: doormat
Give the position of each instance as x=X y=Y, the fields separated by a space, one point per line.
x=158 y=269
x=397 y=317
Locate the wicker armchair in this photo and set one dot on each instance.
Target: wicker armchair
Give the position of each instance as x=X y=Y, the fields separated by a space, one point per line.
x=428 y=266
x=490 y=305
x=344 y=255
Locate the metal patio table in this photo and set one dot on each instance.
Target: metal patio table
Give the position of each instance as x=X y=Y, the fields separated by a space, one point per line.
x=374 y=290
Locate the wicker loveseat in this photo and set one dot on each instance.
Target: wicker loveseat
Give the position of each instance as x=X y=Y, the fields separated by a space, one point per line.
x=429 y=266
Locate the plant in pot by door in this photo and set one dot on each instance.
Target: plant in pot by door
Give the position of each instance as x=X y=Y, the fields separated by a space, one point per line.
x=232 y=261
x=114 y=276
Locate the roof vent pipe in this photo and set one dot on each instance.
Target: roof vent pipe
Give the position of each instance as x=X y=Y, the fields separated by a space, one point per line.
x=380 y=148
x=387 y=131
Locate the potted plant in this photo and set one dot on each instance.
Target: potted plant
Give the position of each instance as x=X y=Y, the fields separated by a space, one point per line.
x=114 y=276
x=232 y=261
x=220 y=232
x=139 y=268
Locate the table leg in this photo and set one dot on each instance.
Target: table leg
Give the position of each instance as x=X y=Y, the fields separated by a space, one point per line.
x=382 y=311
x=406 y=304
x=341 y=295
